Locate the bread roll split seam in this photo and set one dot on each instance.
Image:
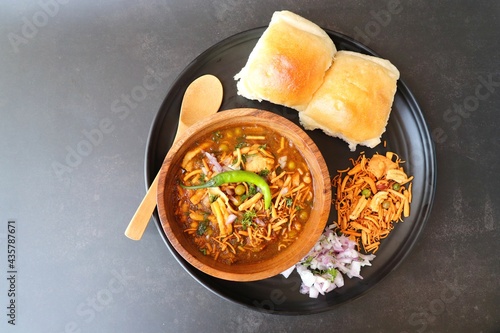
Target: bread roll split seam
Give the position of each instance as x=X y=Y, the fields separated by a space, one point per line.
x=345 y=94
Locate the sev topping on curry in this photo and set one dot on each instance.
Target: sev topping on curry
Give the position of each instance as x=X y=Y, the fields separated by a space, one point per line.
x=244 y=194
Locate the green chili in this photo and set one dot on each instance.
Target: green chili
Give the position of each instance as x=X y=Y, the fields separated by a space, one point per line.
x=237 y=176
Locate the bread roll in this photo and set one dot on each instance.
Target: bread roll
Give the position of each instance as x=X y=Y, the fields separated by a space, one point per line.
x=354 y=102
x=288 y=63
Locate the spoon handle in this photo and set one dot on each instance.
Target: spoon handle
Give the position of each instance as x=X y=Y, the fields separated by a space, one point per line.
x=143 y=214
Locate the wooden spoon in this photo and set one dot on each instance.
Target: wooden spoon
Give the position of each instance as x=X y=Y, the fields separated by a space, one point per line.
x=202 y=98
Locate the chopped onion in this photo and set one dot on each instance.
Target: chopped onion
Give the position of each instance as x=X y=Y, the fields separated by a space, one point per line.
x=289 y=271
x=259 y=222
x=231 y=218
x=231 y=167
x=213 y=161
x=282 y=161
x=228 y=166
x=322 y=268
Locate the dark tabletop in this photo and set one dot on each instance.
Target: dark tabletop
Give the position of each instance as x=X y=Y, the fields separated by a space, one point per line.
x=66 y=68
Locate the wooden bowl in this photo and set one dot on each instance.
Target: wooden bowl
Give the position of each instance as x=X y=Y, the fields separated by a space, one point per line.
x=312 y=228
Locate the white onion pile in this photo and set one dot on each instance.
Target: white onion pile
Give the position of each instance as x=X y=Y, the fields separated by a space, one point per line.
x=322 y=268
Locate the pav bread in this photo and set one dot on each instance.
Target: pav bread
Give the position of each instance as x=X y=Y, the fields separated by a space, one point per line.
x=288 y=63
x=354 y=102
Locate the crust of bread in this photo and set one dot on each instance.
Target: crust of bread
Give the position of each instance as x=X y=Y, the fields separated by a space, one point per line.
x=288 y=63
x=355 y=100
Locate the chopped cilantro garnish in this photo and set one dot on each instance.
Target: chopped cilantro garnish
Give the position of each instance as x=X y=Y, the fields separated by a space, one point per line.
x=248 y=219
x=252 y=190
x=203 y=177
x=333 y=273
x=241 y=143
x=264 y=173
x=202 y=227
x=308 y=261
x=216 y=136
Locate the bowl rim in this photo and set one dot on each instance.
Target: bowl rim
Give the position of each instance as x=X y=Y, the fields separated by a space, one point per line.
x=321 y=185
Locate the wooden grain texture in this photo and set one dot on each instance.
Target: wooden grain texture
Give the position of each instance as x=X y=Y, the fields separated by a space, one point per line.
x=140 y=220
x=312 y=229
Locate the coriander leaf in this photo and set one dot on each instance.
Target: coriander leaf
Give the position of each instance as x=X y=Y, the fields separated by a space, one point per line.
x=202 y=228
x=248 y=219
x=241 y=143
x=216 y=136
x=333 y=273
x=263 y=173
x=252 y=190
x=212 y=198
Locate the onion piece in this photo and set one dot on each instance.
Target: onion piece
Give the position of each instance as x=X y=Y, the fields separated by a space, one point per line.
x=289 y=271
x=322 y=268
x=231 y=218
x=213 y=162
x=259 y=222
x=282 y=161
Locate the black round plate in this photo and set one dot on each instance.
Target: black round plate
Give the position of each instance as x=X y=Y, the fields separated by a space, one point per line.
x=407 y=135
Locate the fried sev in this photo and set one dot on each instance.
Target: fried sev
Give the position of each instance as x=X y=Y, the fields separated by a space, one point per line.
x=372 y=195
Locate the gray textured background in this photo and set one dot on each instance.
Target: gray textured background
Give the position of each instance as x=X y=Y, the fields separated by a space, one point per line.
x=64 y=68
